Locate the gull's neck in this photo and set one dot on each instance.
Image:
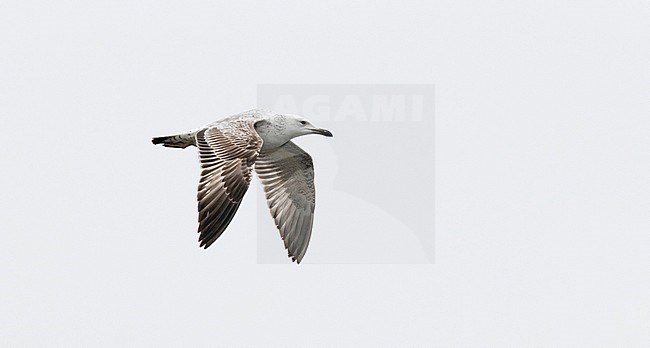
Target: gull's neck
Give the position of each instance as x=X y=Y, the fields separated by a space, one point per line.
x=272 y=132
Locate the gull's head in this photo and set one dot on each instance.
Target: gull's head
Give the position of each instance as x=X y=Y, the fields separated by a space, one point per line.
x=296 y=126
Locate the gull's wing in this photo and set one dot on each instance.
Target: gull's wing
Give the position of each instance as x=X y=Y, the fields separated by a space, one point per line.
x=287 y=174
x=227 y=154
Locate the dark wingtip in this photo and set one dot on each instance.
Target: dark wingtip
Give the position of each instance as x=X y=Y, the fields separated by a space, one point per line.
x=158 y=140
x=294 y=258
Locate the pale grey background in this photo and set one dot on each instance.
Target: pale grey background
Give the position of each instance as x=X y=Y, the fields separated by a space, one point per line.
x=542 y=193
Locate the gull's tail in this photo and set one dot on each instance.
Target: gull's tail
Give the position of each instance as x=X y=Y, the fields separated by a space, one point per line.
x=179 y=141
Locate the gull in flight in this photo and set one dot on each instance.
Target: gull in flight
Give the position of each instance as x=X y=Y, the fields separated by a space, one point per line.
x=230 y=148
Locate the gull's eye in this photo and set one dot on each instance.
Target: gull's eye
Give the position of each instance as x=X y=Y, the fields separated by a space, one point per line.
x=303 y=122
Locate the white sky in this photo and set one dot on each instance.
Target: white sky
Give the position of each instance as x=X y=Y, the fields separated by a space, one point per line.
x=542 y=191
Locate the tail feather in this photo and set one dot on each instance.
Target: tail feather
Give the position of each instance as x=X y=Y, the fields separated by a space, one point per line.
x=178 y=141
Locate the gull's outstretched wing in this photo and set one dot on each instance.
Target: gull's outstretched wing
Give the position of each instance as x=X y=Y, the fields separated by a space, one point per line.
x=287 y=174
x=227 y=156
